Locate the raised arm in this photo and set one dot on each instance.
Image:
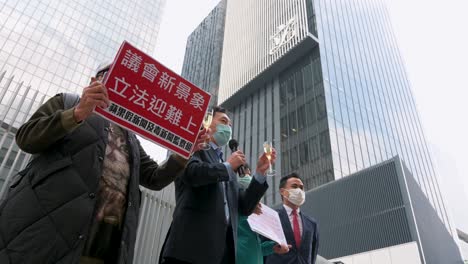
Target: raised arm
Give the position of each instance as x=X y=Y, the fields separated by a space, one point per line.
x=47 y=125
x=156 y=177
x=249 y=198
x=200 y=172
x=51 y=122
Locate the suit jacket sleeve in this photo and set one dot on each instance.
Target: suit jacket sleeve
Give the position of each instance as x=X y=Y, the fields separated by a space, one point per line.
x=315 y=244
x=267 y=248
x=249 y=198
x=156 y=177
x=199 y=172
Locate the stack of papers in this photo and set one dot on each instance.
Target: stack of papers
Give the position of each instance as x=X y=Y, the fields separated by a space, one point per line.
x=268 y=224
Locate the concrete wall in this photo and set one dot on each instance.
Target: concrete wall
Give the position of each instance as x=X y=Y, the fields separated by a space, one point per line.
x=400 y=254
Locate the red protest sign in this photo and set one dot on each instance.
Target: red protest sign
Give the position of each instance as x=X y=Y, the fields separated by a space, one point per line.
x=153 y=101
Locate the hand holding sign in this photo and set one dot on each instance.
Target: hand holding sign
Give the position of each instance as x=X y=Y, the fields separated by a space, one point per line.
x=154 y=102
x=93 y=95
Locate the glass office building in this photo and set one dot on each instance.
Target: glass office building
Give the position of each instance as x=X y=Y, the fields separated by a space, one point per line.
x=326 y=82
x=56 y=46
x=202 y=60
x=48 y=47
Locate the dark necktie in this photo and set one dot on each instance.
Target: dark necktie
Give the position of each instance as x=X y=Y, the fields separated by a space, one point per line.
x=219 y=153
x=297 y=231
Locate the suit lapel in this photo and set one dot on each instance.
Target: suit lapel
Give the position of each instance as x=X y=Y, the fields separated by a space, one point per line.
x=211 y=153
x=214 y=158
x=287 y=228
x=305 y=236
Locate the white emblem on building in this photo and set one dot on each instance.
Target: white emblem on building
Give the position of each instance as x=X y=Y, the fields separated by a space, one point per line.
x=284 y=34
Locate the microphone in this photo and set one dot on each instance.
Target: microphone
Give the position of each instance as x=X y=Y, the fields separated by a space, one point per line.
x=233 y=145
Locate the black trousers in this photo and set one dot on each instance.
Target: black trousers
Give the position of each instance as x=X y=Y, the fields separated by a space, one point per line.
x=229 y=251
x=228 y=256
x=173 y=261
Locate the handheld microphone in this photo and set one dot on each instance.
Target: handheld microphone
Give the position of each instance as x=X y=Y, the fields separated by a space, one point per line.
x=233 y=145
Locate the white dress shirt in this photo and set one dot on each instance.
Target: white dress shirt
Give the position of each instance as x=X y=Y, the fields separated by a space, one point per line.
x=289 y=211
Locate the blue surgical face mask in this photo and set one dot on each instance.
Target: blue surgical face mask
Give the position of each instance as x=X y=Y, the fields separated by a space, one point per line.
x=244 y=181
x=222 y=135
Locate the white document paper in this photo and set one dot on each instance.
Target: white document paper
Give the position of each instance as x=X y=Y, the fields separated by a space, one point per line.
x=268 y=224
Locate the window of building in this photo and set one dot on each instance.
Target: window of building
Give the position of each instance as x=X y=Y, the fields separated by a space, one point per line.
x=285 y=161
x=299 y=83
x=293 y=123
x=321 y=108
x=294 y=159
x=311 y=112
x=290 y=89
x=304 y=152
x=301 y=119
x=314 y=148
x=325 y=143
x=284 y=127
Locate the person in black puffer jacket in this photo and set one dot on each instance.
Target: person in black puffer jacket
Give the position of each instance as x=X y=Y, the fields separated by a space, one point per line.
x=78 y=200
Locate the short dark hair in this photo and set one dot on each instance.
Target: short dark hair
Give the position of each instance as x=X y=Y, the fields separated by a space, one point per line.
x=218 y=109
x=246 y=166
x=285 y=179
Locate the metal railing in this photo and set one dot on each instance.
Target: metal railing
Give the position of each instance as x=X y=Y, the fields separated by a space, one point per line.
x=155 y=219
x=14 y=110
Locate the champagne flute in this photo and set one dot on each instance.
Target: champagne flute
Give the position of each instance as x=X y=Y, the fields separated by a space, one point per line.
x=268 y=148
x=206 y=124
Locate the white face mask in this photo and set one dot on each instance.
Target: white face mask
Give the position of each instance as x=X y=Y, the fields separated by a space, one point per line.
x=296 y=196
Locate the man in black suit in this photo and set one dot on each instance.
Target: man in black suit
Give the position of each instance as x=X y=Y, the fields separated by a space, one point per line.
x=208 y=200
x=301 y=231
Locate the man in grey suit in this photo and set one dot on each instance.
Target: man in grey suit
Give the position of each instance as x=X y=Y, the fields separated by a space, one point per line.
x=301 y=231
x=208 y=200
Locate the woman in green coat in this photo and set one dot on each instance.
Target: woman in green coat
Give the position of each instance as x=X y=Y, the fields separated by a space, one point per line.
x=250 y=249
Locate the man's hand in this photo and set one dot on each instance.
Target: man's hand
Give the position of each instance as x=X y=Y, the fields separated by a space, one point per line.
x=236 y=160
x=258 y=209
x=93 y=95
x=263 y=164
x=281 y=249
x=203 y=137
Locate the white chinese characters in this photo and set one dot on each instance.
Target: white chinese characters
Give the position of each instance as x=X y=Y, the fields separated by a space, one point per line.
x=183 y=91
x=146 y=84
x=120 y=87
x=139 y=97
x=157 y=106
x=189 y=126
x=131 y=60
x=166 y=82
x=197 y=101
x=150 y=72
x=173 y=115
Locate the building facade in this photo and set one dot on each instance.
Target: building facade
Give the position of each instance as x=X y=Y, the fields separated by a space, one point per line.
x=379 y=214
x=56 y=46
x=324 y=80
x=463 y=244
x=202 y=60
